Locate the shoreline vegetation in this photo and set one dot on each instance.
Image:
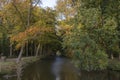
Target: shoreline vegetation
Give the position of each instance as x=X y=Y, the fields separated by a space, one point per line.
x=10 y=65
x=114 y=65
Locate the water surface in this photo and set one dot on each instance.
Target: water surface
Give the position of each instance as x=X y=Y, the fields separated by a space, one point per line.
x=58 y=68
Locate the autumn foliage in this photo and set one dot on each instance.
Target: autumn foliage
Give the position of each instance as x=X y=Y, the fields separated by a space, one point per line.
x=29 y=34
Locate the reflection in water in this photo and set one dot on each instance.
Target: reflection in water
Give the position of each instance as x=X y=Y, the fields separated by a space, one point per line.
x=100 y=75
x=64 y=70
x=56 y=67
x=59 y=69
x=19 y=70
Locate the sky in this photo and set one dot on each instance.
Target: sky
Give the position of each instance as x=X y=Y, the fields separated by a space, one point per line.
x=48 y=3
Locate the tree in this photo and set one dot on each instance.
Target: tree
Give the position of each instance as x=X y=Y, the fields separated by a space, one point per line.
x=92 y=37
x=27 y=14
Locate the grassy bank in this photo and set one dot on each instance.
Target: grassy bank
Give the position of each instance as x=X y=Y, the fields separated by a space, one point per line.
x=10 y=65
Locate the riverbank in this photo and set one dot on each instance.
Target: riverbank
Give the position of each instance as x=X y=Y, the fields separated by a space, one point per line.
x=10 y=65
x=114 y=65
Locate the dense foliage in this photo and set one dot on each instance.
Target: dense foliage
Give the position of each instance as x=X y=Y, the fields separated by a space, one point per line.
x=94 y=36
x=27 y=28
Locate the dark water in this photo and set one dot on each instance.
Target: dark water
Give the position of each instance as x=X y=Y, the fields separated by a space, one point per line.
x=58 y=69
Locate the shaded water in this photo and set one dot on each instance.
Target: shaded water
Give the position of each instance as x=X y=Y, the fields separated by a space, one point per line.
x=59 y=69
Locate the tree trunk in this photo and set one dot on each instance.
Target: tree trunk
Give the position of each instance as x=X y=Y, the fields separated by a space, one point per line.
x=11 y=50
x=119 y=56
x=112 y=56
x=32 y=48
x=27 y=48
x=40 y=50
x=0 y=68
x=20 y=54
x=37 y=51
x=29 y=13
x=43 y=50
x=35 y=48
